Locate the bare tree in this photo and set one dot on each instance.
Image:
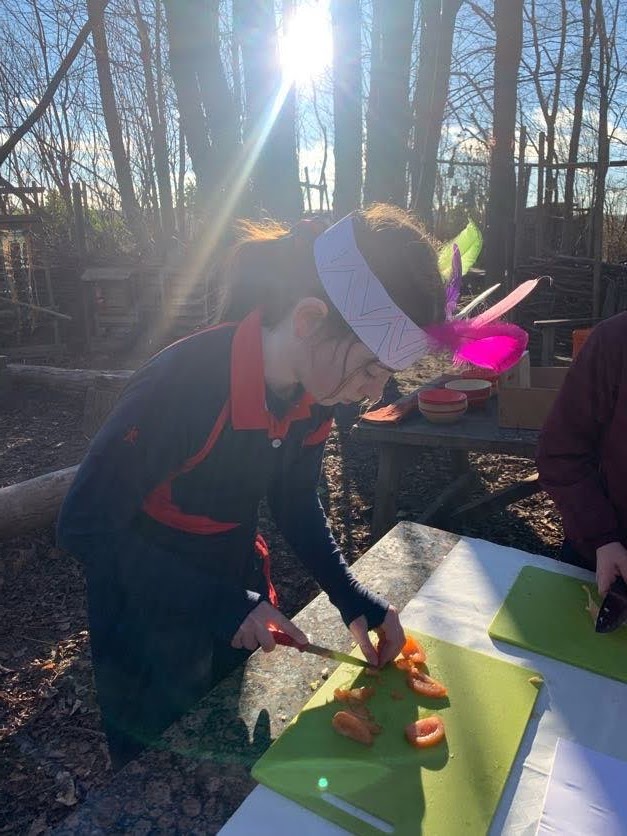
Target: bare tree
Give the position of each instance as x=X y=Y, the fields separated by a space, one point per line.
x=549 y=99
x=387 y=126
x=347 y=84
x=130 y=206
x=158 y=132
x=205 y=103
x=508 y=17
x=437 y=26
x=587 y=40
x=270 y=131
x=56 y=79
x=607 y=87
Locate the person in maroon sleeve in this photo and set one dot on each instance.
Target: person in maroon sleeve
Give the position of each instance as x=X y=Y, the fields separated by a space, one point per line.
x=582 y=454
x=163 y=513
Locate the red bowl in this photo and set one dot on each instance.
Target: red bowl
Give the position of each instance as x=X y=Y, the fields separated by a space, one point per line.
x=476 y=390
x=441 y=396
x=442 y=406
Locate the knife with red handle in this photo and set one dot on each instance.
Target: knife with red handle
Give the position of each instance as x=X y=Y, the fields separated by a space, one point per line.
x=282 y=638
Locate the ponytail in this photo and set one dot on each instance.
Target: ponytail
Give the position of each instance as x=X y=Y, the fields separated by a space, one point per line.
x=269 y=268
x=272 y=268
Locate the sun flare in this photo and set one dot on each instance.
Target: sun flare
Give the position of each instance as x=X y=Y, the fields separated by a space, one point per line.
x=306 y=45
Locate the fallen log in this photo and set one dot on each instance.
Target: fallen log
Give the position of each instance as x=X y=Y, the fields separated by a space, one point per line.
x=63 y=380
x=33 y=504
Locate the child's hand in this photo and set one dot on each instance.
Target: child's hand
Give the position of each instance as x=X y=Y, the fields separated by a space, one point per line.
x=391 y=638
x=611 y=564
x=253 y=632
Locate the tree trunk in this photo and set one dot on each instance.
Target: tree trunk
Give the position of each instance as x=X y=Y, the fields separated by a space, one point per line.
x=573 y=148
x=549 y=102
x=159 y=138
x=347 y=120
x=270 y=135
x=508 y=18
x=606 y=47
x=388 y=103
x=130 y=206
x=206 y=108
x=181 y=212
x=33 y=504
x=217 y=98
x=71 y=381
x=437 y=27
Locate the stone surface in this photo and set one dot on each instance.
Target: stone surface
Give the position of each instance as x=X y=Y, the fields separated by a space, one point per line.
x=201 y=775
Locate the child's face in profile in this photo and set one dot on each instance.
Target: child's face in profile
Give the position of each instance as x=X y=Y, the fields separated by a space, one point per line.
x=344 y=371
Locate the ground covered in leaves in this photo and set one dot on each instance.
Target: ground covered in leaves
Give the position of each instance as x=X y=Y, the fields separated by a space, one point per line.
x=52 y=751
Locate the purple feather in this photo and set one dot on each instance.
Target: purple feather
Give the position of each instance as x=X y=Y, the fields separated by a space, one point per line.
x=454 y=284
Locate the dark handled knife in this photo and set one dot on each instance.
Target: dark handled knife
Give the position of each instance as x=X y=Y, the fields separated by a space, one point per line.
x=613 y=611
x=282 y=638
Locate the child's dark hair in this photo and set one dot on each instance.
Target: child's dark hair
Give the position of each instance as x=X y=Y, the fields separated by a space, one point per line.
x=272 y=268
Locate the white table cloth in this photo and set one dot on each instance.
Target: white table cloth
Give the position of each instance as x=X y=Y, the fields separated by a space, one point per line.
x=457 y=604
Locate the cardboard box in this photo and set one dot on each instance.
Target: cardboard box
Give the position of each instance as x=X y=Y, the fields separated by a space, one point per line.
x=528 y=407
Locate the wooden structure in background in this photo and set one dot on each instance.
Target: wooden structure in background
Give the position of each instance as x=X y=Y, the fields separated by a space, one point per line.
x=555 y=309
x=140 y=307
x=26 y=282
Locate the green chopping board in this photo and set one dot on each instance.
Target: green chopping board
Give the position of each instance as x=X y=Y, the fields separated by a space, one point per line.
x=546 y=612
x=451 y=788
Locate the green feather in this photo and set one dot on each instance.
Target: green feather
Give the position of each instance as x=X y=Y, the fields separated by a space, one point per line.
x=469 y=242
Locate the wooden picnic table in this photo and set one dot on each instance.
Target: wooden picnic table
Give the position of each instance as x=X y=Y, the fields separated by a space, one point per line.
x=477 y=432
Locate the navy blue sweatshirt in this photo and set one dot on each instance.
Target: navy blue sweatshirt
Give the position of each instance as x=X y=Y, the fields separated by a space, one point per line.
x=193 y=444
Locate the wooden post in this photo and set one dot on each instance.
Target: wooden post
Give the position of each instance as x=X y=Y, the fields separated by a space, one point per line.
x=99 y=401
x=51 y=304
x=598 y=230
x=521 y=202
x=308 y=187
x=5 y=379
x=386 y=489
x=540 y=205
x=79 y=220
x=324 y=193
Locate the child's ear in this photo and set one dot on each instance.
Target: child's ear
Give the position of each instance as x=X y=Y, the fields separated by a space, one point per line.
x=308 y=316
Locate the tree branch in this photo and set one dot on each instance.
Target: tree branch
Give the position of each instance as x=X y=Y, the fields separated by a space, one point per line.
x=51 y=89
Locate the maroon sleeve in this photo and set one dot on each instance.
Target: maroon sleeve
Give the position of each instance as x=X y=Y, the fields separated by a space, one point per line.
x=569 y=449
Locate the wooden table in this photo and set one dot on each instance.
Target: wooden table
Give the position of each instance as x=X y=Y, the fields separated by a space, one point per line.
x=477 y=432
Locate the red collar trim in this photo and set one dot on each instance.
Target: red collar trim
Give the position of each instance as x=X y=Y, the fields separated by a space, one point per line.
x=248 y=385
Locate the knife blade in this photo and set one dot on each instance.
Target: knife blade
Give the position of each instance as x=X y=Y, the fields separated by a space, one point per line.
x=326 y=652
x=613 y=610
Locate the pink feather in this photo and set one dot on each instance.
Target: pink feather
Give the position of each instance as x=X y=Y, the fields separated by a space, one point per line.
x=510 y=301
x=496 y=346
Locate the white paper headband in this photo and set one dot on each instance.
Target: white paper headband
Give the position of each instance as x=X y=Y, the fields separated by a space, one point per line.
x=363 y=302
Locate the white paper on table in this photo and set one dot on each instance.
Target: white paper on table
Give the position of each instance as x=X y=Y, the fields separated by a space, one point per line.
x=586 y=794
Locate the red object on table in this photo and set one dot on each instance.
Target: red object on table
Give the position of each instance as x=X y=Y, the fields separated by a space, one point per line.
x=477 y=390
x=580 y=335
x=393 y=413
x=440 y=397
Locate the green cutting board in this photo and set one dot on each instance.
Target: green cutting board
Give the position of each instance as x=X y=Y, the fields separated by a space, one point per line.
x=546 y=612
x=451 y=788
